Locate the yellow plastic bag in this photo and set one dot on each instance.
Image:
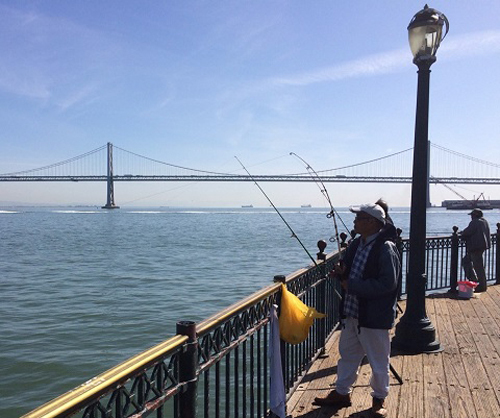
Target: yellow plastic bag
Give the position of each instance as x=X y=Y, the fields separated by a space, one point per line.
x=295 y=317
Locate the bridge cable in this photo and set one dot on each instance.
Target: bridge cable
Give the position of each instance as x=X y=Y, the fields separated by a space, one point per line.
x=171 y=165
x=69 y=160
x=366 y=162
x=467 y=157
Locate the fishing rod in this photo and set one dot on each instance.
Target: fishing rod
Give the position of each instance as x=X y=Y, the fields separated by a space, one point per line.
x=294 y=235
x=333 y=213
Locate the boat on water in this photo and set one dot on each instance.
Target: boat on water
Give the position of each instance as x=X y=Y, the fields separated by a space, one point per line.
x=247 y=206
x=470 y=204
x=479 y=202
x=305 y=206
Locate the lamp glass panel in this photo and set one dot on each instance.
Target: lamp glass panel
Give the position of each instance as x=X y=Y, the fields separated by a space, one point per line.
x=424 y=40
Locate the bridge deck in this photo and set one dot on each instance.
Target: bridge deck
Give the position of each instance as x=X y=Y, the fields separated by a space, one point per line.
x=461 y=381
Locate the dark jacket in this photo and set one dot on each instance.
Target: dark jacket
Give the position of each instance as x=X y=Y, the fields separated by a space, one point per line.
x=378 y=288
x=477 y=235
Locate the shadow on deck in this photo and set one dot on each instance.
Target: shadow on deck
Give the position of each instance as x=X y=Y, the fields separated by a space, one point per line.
x=463 y=381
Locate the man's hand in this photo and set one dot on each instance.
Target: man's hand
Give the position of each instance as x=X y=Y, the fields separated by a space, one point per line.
x=339 y=272
x=340 y=268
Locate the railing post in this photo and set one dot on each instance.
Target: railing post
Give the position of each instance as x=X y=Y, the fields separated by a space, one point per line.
x=343 y=238
x=188 y=367
x=321 y=295
x=282 y=279
x=353 y=235
x=399 y=247
x=454 y=260
x=497 y=256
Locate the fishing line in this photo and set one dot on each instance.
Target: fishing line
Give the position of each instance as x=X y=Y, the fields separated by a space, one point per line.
x=294 y=235
x=159 y=193
x=333 y=213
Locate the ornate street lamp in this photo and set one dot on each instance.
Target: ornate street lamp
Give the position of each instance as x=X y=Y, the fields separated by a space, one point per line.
x=415 y=332
x=425 y=33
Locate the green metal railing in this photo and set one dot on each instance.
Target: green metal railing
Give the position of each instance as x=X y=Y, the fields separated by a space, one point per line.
x=220 y=367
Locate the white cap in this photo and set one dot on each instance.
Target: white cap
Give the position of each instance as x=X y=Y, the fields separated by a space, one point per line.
x=371 y=209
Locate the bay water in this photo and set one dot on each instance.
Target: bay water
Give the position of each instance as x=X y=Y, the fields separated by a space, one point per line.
x=82 y=289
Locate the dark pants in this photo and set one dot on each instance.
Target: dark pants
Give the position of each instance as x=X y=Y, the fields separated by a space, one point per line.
x=474 y=268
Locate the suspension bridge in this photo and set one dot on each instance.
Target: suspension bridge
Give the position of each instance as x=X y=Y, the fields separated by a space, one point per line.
x=114 y=164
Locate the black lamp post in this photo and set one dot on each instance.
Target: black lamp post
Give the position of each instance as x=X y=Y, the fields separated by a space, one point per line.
x=415 y=332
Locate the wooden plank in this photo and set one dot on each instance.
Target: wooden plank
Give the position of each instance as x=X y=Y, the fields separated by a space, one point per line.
x=460 y=382
x=476 y=377
x=477 y=362
x=435 y=399
x=456 y=385
x=489 y=313
x=412 y=391
x=318 y=382
x=392 y=401
x=397 y=362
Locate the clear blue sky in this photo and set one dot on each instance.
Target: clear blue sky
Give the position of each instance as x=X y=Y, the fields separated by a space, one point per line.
x=195 y=83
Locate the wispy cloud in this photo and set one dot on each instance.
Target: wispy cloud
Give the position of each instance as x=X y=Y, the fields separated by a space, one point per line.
x=22 y=81
x=479 y=43
x=370 y=65
x=277 y=94
x=83 y=94
x=393 y=61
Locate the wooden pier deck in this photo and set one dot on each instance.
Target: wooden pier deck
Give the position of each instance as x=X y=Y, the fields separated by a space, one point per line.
x=462 y=381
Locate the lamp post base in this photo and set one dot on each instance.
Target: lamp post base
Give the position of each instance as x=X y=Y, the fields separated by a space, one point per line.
x=415 y=337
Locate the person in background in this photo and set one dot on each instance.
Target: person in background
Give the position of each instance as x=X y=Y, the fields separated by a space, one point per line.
x=394 y=234
x=477 y=240
x=389 y=227
x=369 y=278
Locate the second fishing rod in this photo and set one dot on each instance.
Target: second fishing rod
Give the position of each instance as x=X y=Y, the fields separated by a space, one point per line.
x=294 y=235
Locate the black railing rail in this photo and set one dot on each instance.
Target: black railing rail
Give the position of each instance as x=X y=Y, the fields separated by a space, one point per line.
x=233 y=346
x=443 y=261
x=145 y=381
x=220 y=368
x=217 y=368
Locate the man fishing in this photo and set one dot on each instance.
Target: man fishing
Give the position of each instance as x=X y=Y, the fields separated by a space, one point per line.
x=477 y=241
x=368 y=276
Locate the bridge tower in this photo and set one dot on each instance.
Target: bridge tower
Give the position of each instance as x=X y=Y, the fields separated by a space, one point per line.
x=110 y=202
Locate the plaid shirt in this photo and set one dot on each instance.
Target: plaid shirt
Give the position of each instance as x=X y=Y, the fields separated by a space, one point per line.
x=351 y=303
